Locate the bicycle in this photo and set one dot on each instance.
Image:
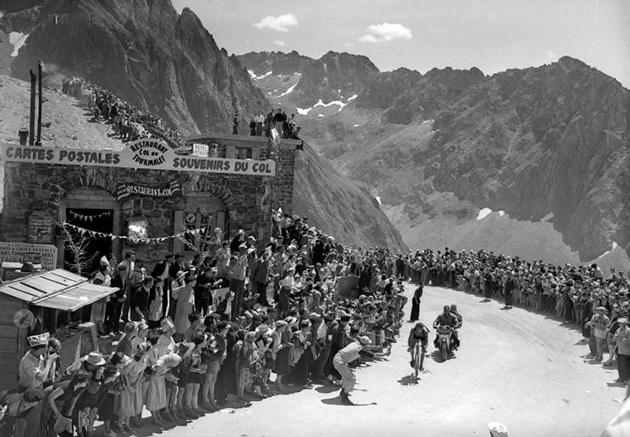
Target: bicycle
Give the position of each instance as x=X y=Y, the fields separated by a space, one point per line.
x=418 y=359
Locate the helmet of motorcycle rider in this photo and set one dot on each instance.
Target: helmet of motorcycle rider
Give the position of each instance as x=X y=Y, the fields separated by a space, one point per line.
x=447 y=309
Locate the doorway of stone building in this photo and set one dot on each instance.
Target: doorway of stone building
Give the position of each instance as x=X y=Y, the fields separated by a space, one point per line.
x=87 y=248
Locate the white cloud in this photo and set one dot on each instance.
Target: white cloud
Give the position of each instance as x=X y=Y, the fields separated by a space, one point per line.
x=280 y=43
x=385 y=32
x=281 y=23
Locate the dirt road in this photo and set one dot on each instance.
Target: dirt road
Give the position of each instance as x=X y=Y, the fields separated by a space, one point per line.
x=518 y=368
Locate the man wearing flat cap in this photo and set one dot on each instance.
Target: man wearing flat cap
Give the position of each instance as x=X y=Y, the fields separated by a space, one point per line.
x=341 y=360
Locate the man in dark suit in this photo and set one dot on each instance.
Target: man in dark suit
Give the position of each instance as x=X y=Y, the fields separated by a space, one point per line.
x=162 y=271
x=177 y=266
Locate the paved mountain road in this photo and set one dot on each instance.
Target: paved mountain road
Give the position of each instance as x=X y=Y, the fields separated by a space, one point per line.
x=522 y=369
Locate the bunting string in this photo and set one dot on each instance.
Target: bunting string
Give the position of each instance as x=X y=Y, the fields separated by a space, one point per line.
x=88 y=218
x=154 y=240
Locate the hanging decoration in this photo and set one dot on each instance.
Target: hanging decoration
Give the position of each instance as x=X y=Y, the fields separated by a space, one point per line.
x=154 y=240
x=88 y=218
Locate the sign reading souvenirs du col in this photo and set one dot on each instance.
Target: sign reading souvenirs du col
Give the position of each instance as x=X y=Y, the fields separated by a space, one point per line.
x=147 y=153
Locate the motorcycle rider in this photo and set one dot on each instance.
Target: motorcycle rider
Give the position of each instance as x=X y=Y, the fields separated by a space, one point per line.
x=420 y=332
x=460 y=322
x=447 y=318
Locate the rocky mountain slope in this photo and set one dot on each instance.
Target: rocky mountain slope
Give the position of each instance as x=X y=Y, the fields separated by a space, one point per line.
x=154 y=58
x=547 y=146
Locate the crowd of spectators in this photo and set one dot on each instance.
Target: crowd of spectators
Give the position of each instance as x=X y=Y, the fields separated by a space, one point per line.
x=128 y=122
x=284 y=126
x=579 y=295
x=243 y=321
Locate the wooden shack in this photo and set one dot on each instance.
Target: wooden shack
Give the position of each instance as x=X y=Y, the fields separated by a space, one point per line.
x=51 y=296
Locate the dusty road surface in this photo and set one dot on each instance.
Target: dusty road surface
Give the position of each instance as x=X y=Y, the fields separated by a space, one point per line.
x=518 y=368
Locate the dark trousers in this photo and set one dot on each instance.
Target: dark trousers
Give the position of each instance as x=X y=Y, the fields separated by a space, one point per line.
x=202 y=301
x=261 y=293
x=509 y=301
x=415 y=310
x=623 y=366
x=112 y=315
x=238 y=288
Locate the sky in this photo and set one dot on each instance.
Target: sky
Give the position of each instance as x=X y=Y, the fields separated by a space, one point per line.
x=492 y=35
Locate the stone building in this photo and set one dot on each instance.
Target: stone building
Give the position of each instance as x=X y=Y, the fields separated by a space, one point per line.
x=141 y=197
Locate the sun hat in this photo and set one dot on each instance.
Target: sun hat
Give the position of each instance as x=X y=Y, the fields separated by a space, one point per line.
x=365 y=340
x=262 y=329
x=95 y=359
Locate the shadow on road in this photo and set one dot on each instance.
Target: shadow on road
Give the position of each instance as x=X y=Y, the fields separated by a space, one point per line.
x=327 y=389
x=337 y=401
x=408 y=380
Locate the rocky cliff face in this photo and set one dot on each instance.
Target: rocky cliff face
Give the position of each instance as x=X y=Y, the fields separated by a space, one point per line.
x=149 y=55
x=553 y=139
x=542 y=145
x=152 y=56
x=276 y=63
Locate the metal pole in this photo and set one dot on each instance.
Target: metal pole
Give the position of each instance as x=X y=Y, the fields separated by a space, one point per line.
x=31 y=130
x=39 y=108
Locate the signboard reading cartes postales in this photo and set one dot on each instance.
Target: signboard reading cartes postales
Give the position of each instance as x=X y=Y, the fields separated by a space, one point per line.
x=140 y=154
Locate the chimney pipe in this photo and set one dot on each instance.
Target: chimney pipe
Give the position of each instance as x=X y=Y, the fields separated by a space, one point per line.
x=31 y=131
x=39 y=108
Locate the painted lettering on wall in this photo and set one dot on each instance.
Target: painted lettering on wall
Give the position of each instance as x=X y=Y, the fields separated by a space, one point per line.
x=141 y=154
x=124 y=190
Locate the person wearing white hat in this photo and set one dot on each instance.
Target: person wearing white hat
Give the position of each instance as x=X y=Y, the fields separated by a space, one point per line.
x=34 y=367
x=341 y=360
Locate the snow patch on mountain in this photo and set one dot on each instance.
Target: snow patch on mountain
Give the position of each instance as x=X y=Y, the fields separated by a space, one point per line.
x=614 y=246
x=547 y=217
x=254 y=77
x=483 y=213
x=341 y=104
x=289 y=91
x=17 y=40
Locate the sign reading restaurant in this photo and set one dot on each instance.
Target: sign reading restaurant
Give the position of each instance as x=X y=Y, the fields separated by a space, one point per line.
x=141 y=154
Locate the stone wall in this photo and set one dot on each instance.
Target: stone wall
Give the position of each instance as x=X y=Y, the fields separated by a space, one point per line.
x=248 y=200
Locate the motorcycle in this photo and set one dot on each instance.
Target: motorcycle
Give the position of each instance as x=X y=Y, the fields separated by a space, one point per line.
x=445 y=335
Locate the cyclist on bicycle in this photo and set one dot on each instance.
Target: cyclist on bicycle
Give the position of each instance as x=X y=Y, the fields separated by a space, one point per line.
x=419 y=333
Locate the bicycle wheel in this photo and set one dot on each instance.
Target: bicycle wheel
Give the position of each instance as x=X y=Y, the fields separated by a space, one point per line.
x=421 y=366
x=416 y=361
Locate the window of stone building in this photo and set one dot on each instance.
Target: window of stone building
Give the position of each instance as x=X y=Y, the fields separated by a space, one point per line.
x=243 y=153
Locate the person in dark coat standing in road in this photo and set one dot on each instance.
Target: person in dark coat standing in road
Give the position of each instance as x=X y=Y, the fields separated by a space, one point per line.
x=510 y=286
x=415 y=304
